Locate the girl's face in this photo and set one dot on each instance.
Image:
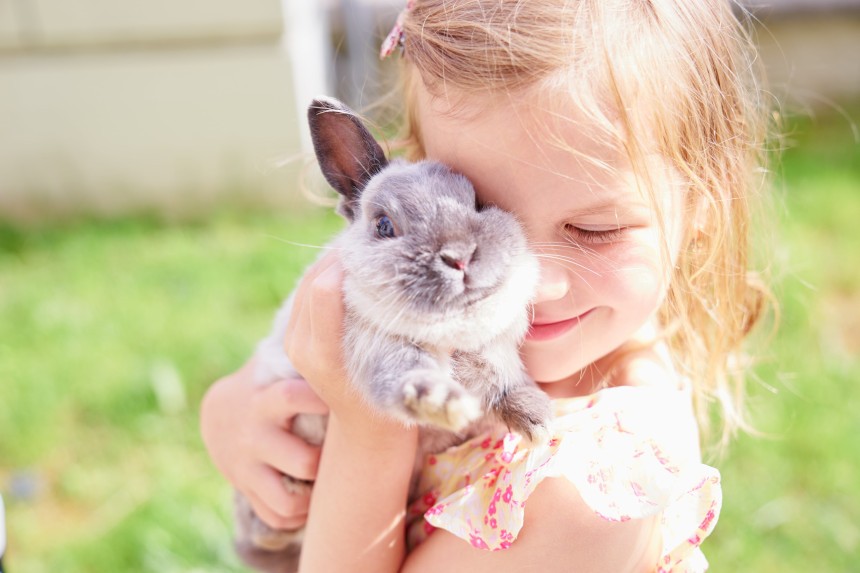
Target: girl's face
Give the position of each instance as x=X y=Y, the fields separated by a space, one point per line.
x=605 y=256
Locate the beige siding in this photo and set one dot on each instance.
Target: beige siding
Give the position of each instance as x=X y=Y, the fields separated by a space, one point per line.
x=145 y=106
x=812 y=60
x=82 y=23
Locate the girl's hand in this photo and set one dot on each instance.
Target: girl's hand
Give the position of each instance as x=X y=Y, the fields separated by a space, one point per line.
x=376 y=452
x=313 y=340
x=245 y=428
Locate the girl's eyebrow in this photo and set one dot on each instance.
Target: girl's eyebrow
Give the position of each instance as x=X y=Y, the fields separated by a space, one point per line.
x=616 y=206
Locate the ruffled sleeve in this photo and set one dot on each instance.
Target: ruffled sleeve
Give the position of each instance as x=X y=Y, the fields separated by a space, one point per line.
x=630 y=452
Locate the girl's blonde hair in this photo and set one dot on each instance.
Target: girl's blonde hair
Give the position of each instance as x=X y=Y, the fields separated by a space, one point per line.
x=673 y=76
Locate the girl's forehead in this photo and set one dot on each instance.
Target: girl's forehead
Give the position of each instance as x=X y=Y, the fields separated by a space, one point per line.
x=519 y=151
x=516 y=124
x=556 y=139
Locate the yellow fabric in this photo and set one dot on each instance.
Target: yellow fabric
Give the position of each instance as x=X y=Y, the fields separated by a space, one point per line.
x=630 y=452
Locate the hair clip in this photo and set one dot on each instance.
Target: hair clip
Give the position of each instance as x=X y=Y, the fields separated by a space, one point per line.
x=395 y=38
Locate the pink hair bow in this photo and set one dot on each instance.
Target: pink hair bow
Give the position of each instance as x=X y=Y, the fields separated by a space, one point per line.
x=395 y=36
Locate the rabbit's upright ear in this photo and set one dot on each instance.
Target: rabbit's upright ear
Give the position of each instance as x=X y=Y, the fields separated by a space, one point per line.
x=347 y=153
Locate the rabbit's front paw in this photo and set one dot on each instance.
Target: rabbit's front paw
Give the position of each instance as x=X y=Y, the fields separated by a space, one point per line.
x=431 y=397
x=527 y=410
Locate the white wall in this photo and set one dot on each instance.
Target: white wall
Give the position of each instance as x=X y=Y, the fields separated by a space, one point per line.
x=110 y=106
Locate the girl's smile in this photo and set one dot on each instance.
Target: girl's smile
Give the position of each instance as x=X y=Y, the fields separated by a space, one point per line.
x=547 y=329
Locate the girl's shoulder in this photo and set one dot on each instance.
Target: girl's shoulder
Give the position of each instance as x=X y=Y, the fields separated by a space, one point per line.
x=630 y=451
x=646 y=381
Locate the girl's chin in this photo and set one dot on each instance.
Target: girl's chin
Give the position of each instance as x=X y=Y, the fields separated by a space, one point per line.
x=559 y=378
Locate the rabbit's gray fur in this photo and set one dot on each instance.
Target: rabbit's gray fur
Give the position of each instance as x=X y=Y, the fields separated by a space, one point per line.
x=425 y=341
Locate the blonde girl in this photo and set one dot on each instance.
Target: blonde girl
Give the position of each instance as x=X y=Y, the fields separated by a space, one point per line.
x=624 y=135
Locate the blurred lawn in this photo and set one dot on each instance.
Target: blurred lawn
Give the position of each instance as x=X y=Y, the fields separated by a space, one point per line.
x=111 y=332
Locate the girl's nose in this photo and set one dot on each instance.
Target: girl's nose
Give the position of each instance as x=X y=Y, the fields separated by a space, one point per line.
x=553 y=284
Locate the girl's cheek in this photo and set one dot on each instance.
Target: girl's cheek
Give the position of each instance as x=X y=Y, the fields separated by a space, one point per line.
x=633 y=268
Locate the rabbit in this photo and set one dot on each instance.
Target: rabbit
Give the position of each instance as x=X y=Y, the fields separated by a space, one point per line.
x=436 y=293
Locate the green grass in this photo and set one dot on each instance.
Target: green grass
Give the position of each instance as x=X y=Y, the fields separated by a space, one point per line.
x=109 y=335
x=110 y=332
x=791 y=497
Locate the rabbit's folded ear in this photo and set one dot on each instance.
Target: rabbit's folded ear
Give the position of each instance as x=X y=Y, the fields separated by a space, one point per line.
x=347 y=153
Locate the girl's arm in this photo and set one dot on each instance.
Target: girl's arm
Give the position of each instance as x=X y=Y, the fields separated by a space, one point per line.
x=356 y=519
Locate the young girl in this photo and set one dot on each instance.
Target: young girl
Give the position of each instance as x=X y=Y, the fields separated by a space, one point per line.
x=623 y=134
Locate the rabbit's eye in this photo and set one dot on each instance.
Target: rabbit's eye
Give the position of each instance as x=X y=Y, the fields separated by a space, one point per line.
x=385 y=228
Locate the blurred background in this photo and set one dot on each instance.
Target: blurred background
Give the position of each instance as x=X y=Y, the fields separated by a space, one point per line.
x=150 y=159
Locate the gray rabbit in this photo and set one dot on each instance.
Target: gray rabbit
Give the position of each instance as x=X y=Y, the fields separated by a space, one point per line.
x=436 y=293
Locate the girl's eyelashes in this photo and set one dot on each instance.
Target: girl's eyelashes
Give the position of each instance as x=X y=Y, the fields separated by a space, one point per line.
x=385 y=227
x=593 y=236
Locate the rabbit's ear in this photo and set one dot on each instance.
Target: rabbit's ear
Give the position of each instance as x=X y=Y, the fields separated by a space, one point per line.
x=347 y=153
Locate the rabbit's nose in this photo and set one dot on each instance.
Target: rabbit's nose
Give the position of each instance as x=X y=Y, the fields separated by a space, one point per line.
x=457 y=259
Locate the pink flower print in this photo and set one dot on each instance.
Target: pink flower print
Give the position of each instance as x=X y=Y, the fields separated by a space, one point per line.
x=507 y=456
x=486 y=443
x=430 y=499
x=492 y=476
x=489 y=457
x=428 y=529
x=431 y=460
x=491 y=509
x=498 y=444
x=618 y=426
x=637 y=489
x=665 y=461
x=553 y=442
x=709 y=517
x=695 y=540
x=476 y=541
x=493 y=523
x=435 y=510
x=504 y=544
x=509 y=494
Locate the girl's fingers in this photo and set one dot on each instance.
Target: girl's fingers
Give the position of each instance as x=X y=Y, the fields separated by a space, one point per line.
x=283 y=399
x=313 y=334
x=284 y=519
x=327 y=298
x=288 y=454
x=306 y=285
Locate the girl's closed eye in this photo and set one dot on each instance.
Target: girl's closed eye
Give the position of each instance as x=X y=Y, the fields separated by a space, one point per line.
x=594 y=234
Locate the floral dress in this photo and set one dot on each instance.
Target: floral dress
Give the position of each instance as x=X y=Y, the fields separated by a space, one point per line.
x=628 y=451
